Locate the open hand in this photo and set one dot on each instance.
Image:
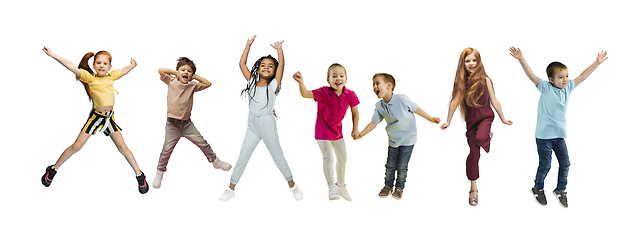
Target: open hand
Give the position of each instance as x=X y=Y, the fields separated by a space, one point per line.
x=250 y=40
x=277 y=45
x=602 y=56
x=515 y=52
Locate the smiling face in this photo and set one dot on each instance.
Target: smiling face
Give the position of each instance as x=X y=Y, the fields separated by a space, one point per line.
x=185 y=73
x=470 y=63
x=381 y=88
x=267 y=69
x=337 y=78
x=560 y=79
x=102 y=65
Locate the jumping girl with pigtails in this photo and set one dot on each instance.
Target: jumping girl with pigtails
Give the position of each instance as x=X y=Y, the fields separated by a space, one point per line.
x=261 y=91
x=99 y=88
x=473 y=94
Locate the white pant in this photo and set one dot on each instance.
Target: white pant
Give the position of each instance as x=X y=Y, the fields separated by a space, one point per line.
x=327 y=148
x=261 y=128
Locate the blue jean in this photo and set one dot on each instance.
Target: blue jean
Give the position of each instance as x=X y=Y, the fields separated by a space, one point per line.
x=545 y=147
x=397 y=160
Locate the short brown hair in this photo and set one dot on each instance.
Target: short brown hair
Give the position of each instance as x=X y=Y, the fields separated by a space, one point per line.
x=387 y=78
x=555 y=67
x=185 y=61
x=334 y=66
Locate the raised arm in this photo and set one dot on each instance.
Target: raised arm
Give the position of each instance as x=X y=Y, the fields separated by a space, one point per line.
x=516 y=53
x=455 y=101
x=202 y=80
x=164 y=71
x=127 y=69
x=243 y=59
x=280 y=70
x=66 y=63
x=583 y=76
x=355 y=118
x=425 y=115
x=495 y=103
x=303 y=90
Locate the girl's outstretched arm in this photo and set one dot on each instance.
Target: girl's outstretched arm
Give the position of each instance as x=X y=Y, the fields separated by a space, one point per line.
x=127 y=69
x=455 y=101
x=303 y=89
x=425 y=115
x=366 y=130
x=355 y=117
x=280 y=70
x=66 y=63
x=495 y=103
x=516 y=53
x=583 y=76
x=243 y=59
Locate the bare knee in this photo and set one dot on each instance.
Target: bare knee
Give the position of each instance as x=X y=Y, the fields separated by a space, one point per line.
x=76 y=146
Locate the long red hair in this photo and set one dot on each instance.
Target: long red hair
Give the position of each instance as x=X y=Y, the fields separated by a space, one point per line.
x=84 y=64
x=476 y=78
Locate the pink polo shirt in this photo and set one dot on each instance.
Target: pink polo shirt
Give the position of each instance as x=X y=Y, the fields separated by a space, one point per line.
x=331 y=111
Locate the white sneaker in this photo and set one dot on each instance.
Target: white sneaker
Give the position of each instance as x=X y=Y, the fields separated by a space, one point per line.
x=219 y=164
x=158 y=179
x=333 y=192
x=297 y=193
x=228 y=194
x=342 y=190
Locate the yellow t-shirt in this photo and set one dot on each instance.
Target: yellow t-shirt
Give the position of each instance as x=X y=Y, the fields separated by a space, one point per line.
x=101 y=88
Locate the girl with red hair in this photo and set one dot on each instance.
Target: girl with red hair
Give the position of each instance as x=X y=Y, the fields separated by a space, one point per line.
x=473 y=94
x=99 y=88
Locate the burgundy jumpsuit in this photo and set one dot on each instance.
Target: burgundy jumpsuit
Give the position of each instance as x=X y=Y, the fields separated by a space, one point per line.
x=478 y=129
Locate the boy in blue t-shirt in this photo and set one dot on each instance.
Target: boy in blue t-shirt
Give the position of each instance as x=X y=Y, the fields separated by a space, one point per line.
x=398 y=111
x=550 y=127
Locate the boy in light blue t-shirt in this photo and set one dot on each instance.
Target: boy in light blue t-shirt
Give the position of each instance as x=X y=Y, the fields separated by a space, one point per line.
x=398 y=111
x=550 y=127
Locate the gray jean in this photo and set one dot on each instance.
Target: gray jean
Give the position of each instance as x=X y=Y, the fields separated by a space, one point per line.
x=174 y=130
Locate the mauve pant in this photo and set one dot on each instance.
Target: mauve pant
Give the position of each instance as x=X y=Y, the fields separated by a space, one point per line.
x=174 y=130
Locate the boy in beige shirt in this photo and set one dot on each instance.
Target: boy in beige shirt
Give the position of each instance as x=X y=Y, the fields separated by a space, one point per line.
x=179 y=105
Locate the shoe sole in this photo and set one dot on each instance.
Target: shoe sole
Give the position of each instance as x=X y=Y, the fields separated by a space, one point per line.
x=44 y=180
x=558 y=197
x=536 y=198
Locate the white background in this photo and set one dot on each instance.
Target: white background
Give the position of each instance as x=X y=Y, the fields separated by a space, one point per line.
x=94 y=194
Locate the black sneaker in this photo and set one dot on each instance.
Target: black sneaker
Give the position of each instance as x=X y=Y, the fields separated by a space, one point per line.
x=49 y=173
x=539 y=195
x=143 y=187
x=562 y=197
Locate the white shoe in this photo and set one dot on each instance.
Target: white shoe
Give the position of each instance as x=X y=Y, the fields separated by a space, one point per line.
x=333 y=192
x=228 y=194
x=342 y=190
x=158 y=179
x=297 y=193
x=219 y=164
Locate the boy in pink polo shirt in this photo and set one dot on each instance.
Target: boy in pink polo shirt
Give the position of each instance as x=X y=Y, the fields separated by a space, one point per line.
x=333 y=101
x=179 y=105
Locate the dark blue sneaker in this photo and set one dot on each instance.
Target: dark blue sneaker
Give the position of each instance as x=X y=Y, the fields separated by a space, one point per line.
x=143 y=187
x=49 y=173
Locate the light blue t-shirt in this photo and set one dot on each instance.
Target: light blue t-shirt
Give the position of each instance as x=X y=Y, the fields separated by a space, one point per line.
x=552 y=110
x=401 y=122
